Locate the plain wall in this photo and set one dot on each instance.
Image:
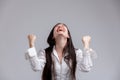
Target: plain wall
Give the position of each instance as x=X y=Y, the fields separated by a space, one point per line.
x=98 y=18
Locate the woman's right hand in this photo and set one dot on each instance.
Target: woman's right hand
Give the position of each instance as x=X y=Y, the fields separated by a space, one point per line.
x=31 y=39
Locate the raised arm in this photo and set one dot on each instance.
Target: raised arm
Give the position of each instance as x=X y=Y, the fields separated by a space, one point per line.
x=84 y=59
x=37 y=61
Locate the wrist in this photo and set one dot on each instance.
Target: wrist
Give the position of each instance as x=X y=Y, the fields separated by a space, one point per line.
x=31 y=45
x=86 y=46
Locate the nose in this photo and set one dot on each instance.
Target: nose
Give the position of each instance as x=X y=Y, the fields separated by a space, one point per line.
x=60 y=26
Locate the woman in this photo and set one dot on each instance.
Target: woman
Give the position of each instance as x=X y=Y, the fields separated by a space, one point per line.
x=60 y=60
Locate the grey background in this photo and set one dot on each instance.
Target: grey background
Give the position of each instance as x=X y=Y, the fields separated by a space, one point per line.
x=98 y=18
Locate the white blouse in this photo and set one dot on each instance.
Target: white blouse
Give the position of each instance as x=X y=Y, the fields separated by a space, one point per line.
x=38 y=60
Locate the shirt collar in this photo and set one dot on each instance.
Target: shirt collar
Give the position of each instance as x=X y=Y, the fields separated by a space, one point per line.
x=55 y=52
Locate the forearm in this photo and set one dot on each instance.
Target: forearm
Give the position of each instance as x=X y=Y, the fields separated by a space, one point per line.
x=37 y=62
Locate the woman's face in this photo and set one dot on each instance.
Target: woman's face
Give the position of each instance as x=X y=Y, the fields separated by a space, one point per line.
x=60 y=30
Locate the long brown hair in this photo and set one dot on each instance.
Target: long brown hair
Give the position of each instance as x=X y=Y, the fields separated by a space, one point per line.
x=47 y=72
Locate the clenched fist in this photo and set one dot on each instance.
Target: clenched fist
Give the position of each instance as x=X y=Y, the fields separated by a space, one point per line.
x=86 y=41
x=31 y=39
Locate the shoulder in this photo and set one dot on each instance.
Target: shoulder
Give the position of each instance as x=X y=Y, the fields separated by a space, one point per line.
x=78 y=51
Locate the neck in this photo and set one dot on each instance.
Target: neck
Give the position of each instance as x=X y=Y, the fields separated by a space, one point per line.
x=60 y=44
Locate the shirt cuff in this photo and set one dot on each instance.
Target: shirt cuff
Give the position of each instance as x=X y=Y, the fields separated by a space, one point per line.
x=32 y=52
x=90 y=52
x=87 y=51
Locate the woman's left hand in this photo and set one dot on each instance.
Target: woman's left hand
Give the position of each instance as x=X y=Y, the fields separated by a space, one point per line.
x=86 y=41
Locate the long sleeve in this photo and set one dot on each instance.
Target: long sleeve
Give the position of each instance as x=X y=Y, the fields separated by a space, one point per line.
x=37 y=61
x=84 y=59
